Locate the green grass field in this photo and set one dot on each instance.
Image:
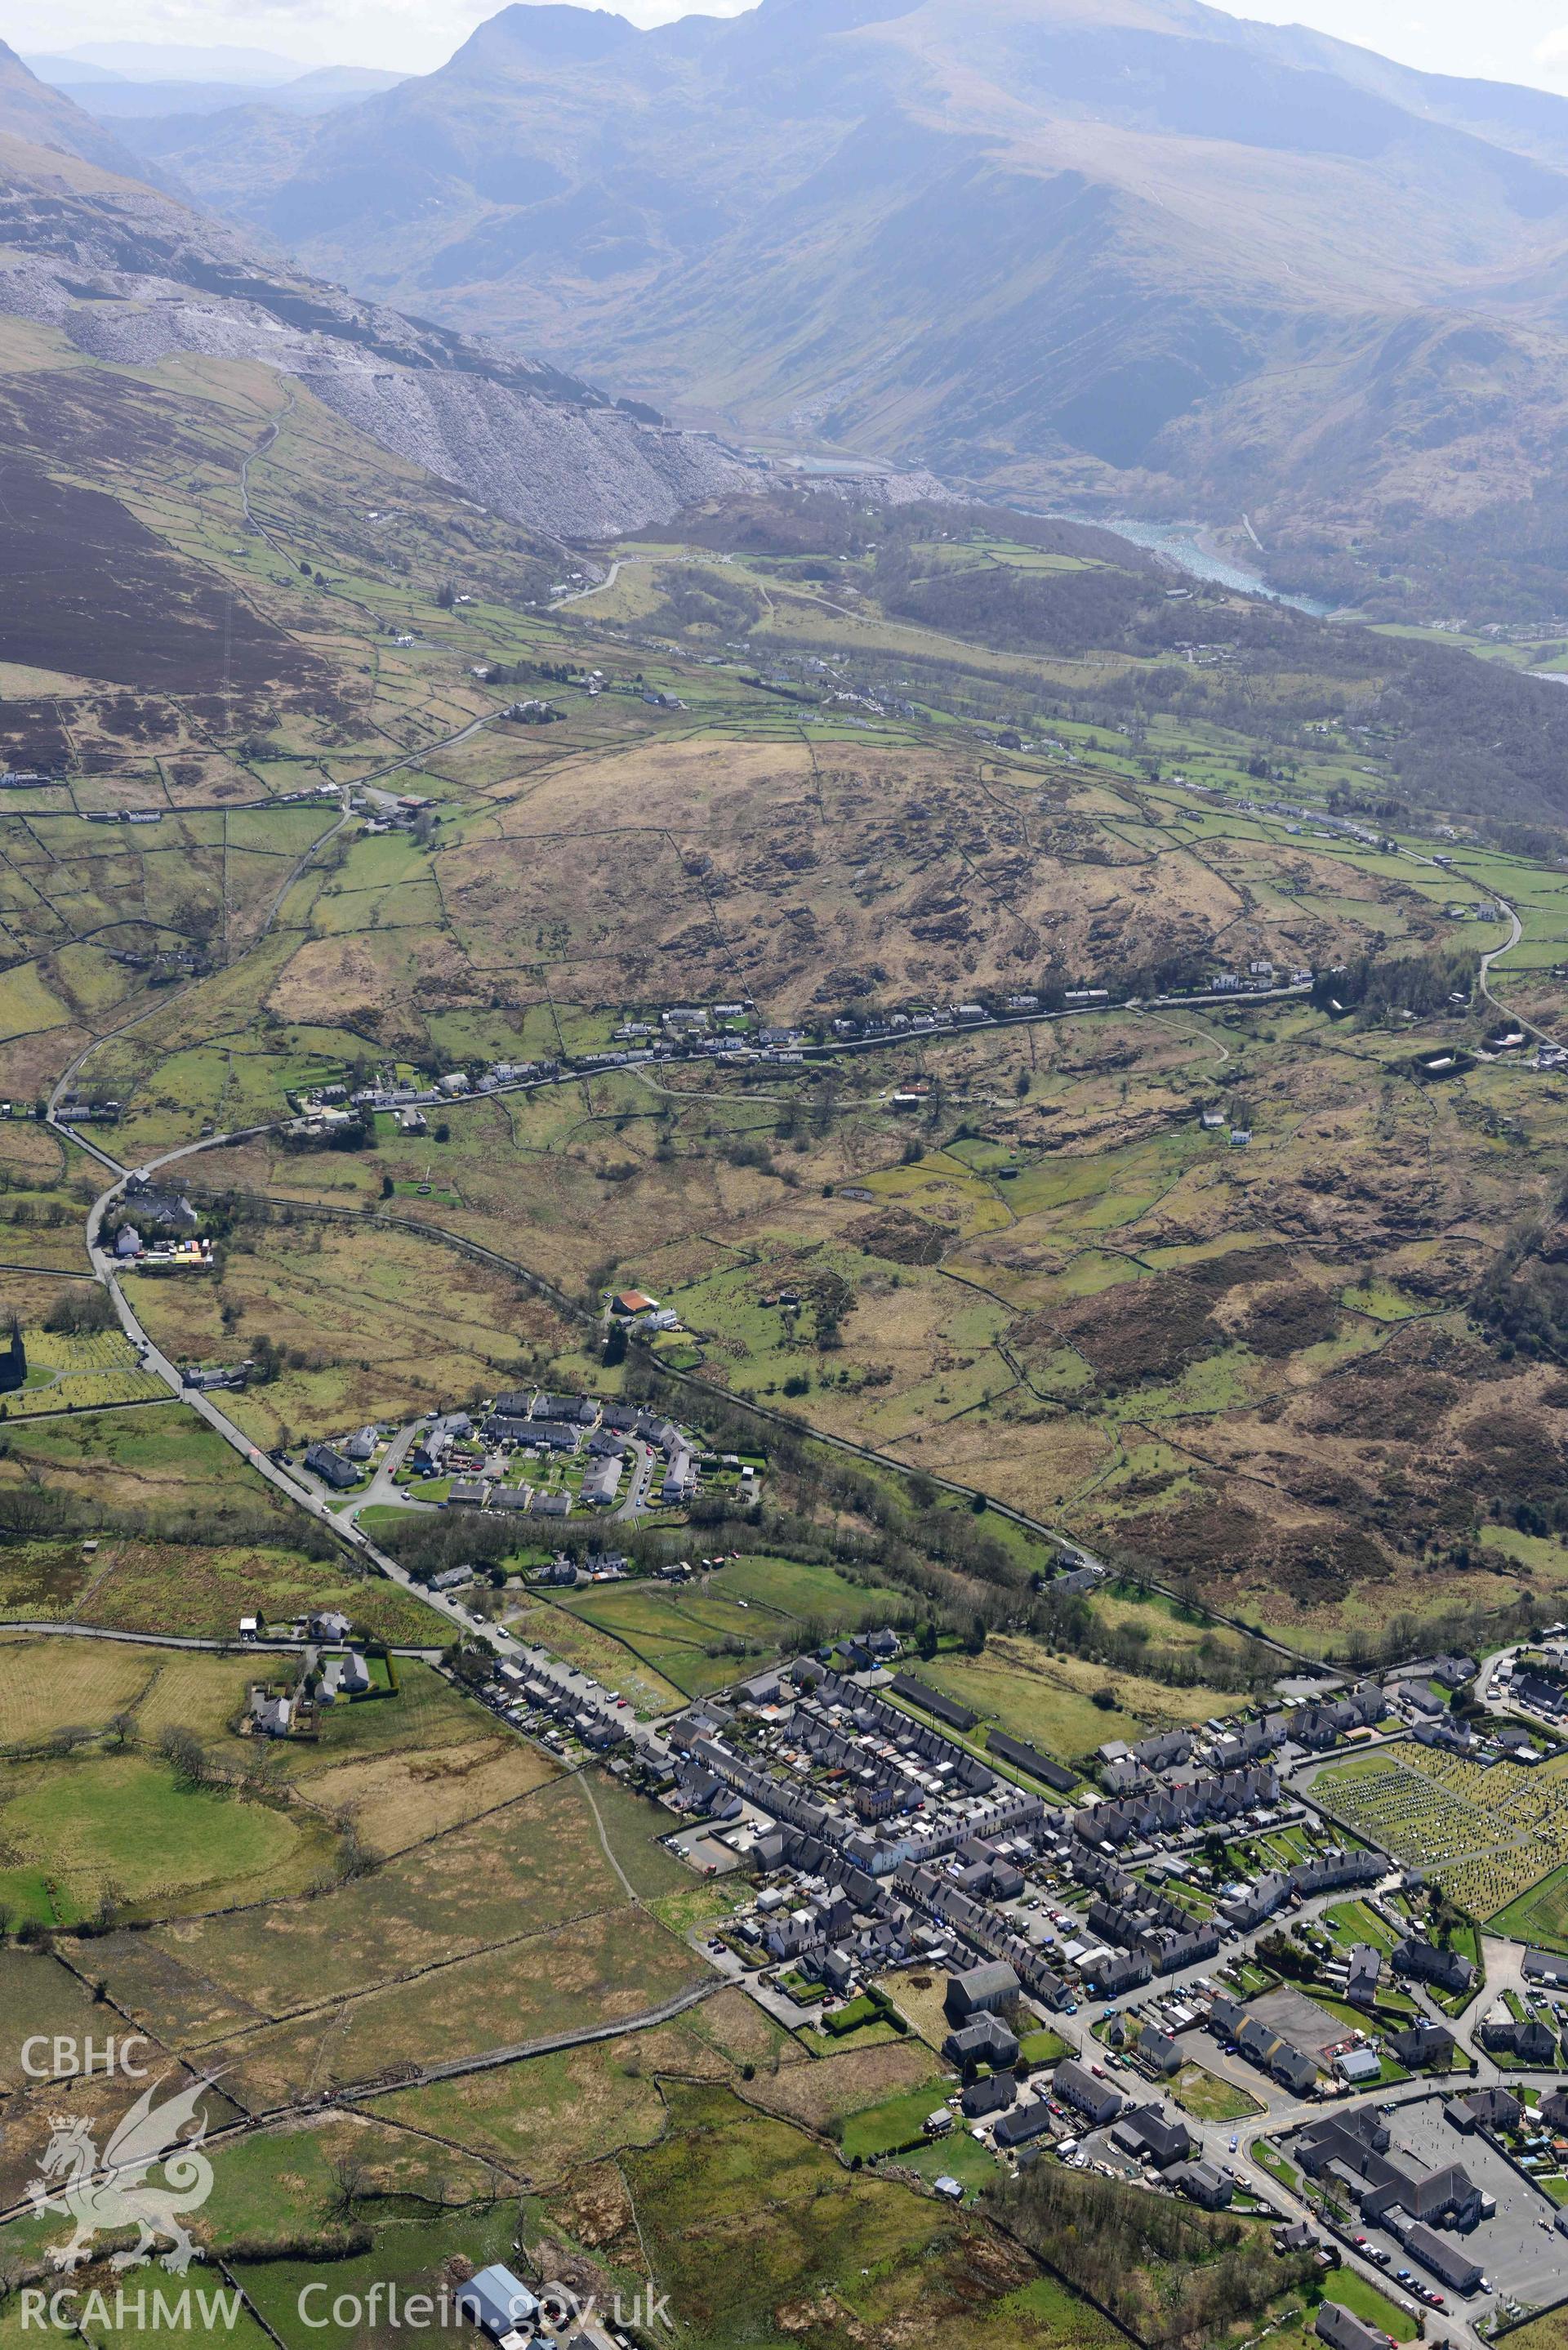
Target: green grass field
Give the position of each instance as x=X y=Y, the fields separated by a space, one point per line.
x=1360 y=2296
x=120 y=1828
x=569 y=1634
x=170 y=2324
x=1208 y=2098
x=202 y=1593
x=1540 y=1916
x=753 y=1610
x=411 y=2253
x=428 y=1714
x=532 y=1864
x=962 y=2158
x=632 y=1827
x=896 y=2123
x=898 y=2266
x=541 y=2118
x=39 y=1994
x=1049 y=1701
x=608 y=1965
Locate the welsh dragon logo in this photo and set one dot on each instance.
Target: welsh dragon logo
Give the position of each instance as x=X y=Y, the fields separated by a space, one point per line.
x=117 y=2191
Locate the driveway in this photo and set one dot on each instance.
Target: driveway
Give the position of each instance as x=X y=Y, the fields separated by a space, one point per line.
x=644 y=1459
x=383 y=1492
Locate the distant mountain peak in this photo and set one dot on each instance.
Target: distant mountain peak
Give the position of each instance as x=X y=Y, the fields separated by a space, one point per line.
x=185 y=61
x=1138 y=252
x=555 y=33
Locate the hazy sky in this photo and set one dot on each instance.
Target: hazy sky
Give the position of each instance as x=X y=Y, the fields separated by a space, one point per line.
x=1510 y=40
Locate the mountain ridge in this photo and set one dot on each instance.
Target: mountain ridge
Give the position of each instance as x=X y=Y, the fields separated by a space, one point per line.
x=129 y=274
x=1050 y=249
x=46 y=118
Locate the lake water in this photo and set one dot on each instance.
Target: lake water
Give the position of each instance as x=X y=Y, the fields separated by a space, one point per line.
x=1186 y=544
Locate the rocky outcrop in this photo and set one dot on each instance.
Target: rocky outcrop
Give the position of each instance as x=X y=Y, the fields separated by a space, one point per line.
x=132 y=277
x=575 y=472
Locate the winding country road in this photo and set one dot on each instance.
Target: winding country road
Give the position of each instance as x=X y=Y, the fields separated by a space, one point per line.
x=49 y=1627
x=307 y=1499
x=619 y=564
x=504 y=1643
x=263 y=447
x=1483 y=982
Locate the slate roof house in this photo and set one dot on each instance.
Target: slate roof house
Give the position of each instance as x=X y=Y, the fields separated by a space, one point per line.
x=271 y=1715
x=504 y=1428
x=1204 y=2183
x=1530 y=2042
x=1262 y=2045
x=992 y=2095
x=1426 y=1962
x=1158 y=2051
x=1423 y=2044
x=567 y=1408
x=988 y=1986
x=343 y=1677
x=1343 y=2330
x=1157 y=2136
x=167 y=1211
x=601 y=1484
x=558 y=1435
x=331 y=1467
x=1073 y=2085
x=1319 y=1726
x=1023 y=2123
x=1366 y=1971
x=986 y=2040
